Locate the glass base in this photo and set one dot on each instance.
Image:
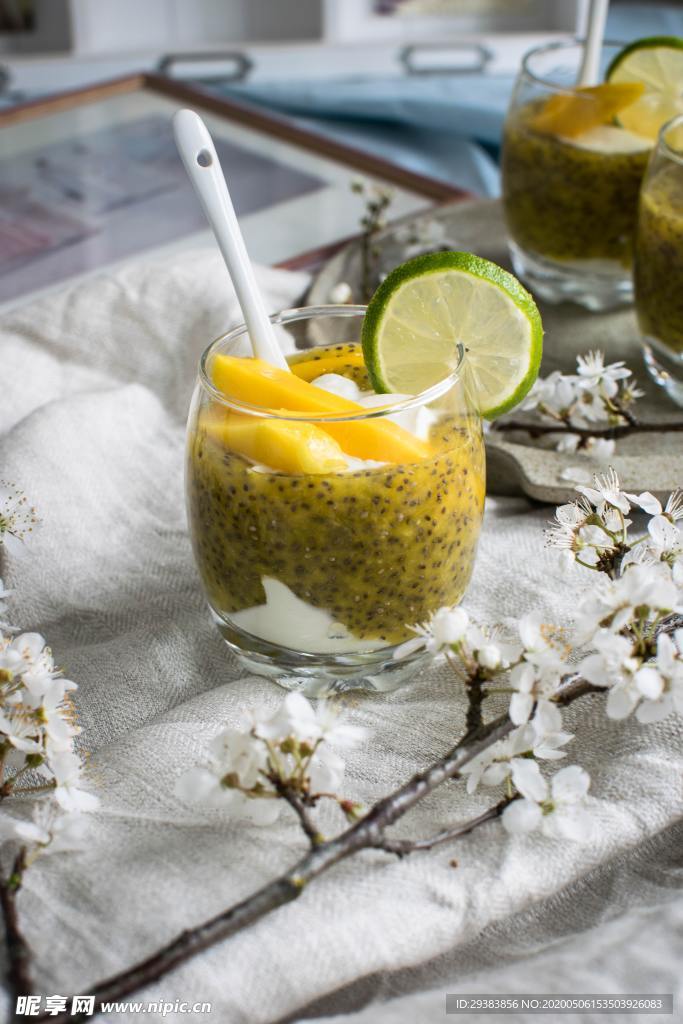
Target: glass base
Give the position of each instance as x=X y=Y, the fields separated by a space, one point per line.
x=665 y=367
x=598 y=285
x=318 y=675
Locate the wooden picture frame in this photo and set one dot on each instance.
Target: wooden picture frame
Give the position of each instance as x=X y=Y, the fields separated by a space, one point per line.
x=246 y=116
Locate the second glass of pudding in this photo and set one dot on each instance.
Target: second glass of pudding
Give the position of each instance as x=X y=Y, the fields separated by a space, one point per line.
x=658 y=271
x=323 y=535
x=570 y=195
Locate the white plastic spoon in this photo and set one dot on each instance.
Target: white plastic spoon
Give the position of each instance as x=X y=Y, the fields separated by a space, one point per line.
x=589 y=72
x=201 y=162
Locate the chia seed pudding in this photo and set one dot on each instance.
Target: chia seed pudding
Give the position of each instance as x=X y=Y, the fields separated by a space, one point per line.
x=378 y=548
x=659 y=258
x=572 y=199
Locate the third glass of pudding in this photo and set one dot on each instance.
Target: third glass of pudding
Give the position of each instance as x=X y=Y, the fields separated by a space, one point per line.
x=571 y=176
x=658 y=268
x=327 y=519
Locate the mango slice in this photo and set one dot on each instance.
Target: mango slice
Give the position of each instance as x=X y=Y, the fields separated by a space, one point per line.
x=310 y=369
x=260 y=384
x=575 y=113
x=280 y=444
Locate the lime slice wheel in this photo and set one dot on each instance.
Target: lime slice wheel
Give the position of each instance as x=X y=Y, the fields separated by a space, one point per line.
x=428 y=306
x=657 y=63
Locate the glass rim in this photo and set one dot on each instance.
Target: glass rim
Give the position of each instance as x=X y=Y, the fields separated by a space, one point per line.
x=666 y=148
x=562 y=44
x=298 y=313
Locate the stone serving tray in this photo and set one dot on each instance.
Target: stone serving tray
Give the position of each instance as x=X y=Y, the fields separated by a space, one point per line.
x=652 y=462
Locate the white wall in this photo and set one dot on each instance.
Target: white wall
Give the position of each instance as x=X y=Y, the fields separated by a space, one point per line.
x=107 y=26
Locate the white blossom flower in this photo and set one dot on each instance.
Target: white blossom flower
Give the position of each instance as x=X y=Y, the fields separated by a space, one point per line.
x=606 y=491
x=589 y=408
x=446 y=627
x=548 y=735
x=236 y=753
x=67 y=768
x=205 y=785
x=652 y=505
x=613 y=604
x=615 y=666
x=17 y=519
x=580 y=533
x=677 y=570
x=658 y=684
x=484 y=647
x=543 y=663
x=21 y=654
x=542 y=738
x=558 y=811
x=297 y=717
x=648 y=503
x=553 y=395
x=21 y=730
x=568 y=443
x=237 y=760
x=594 y=374
x=613 y=662
x=51 y=831
x=600 y=448
x=246 y=767
x=674 y=506
x=326 y=770
x=574 y=514
x=495 y=764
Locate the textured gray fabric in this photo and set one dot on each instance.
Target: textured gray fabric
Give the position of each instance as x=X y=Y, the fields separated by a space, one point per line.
x=639 y=952
x=96 y=382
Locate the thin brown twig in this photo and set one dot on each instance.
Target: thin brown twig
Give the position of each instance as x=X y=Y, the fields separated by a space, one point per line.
x=475 y=699
x=297 y=804
x=402 y=847
x=613 y=433
x=18 y=952
x=368 y=833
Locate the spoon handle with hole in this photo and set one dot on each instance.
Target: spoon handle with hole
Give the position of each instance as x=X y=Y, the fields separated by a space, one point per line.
x=199 y=156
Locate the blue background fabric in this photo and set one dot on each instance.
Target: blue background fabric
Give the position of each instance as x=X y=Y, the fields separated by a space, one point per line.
x=445 y=126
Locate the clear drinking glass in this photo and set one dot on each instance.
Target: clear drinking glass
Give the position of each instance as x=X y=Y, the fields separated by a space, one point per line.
x=313 y=577
x=570 y=203
x=658 y=269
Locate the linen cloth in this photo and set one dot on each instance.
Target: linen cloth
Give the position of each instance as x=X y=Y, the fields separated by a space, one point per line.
x=96 y=383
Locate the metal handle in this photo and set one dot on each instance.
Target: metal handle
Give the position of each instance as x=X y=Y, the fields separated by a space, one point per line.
x=243 y=64
x=482 y=57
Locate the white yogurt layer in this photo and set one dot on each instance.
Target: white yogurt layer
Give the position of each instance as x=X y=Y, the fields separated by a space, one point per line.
x=287 y=620
x=609 y=138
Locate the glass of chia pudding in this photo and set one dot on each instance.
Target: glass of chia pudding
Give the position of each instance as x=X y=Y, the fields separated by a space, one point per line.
x=327 y=519
x=658 y=269
x=571 y=176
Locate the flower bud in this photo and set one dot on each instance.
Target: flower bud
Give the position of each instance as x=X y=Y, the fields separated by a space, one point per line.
x=448 y=625
x=489 y=656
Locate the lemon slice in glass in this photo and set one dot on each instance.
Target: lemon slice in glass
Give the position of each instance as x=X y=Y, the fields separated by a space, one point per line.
x=428 y=306
x=658 y=64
